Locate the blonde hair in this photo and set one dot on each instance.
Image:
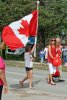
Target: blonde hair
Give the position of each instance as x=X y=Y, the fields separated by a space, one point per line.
x=58 y=41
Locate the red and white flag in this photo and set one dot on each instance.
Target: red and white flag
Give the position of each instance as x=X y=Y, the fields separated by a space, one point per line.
x=16 y=34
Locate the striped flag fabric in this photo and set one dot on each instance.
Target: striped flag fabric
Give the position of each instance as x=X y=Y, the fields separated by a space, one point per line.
x=16 y=34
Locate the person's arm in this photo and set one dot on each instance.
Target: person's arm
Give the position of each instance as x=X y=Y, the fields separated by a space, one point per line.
x=49 y=50
x=58 y=51
x=33 y=48
x=0 y=45
x=3 y=78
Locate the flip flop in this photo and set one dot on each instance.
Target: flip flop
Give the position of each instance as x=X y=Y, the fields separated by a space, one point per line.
x=53 y=83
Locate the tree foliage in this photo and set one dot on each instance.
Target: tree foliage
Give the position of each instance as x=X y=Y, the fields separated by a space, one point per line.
x=12 y=10
x=52 y=14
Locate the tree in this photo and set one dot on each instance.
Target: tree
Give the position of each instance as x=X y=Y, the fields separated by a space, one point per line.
x=12 y=10
x=52 y=15
x=52 y=18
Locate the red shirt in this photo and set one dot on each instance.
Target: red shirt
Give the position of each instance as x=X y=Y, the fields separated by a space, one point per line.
x=53 y=52
x=2 y=66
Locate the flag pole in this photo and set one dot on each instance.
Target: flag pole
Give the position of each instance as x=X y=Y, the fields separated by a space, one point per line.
x=37 y=28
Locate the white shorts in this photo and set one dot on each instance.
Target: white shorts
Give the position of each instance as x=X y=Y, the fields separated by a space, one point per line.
x=52 y=69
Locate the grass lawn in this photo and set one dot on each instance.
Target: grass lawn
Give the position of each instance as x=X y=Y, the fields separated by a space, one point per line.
x=36 y=65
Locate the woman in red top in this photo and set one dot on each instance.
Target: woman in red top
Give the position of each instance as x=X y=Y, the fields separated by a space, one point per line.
x=51 y=55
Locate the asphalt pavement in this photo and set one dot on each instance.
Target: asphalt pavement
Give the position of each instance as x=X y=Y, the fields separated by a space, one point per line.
x=40 y=91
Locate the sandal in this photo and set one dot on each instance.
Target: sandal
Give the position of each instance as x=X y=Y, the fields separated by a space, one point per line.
x=48 y=81
x=52 y=83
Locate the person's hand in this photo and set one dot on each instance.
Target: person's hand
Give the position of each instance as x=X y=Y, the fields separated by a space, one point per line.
x=6 y=89
x=56 y=54
x=52 y=57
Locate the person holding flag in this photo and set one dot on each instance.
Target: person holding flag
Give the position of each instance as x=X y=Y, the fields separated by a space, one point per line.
x=16 y=35
x=28 y=65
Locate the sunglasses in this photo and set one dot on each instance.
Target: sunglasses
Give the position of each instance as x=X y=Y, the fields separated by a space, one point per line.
x=53 y=40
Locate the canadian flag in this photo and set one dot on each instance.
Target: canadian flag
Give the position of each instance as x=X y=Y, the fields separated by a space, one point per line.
x=16 y=34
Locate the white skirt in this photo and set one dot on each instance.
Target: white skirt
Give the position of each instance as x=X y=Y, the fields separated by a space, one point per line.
x=52 y=69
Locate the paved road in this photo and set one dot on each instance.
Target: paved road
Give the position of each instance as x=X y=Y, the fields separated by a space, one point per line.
x=41 y=90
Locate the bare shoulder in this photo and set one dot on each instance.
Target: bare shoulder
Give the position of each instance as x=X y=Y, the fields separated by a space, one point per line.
x=49 y=46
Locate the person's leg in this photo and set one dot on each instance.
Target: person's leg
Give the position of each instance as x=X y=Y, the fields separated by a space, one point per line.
x=66 y=61
x=25 y=78
x=22 y=81
x=30 y=78
x=41 y=61
x=60 y=70
x=51 y=71
x=1 y=87
x=48 y=79
x=51 y=78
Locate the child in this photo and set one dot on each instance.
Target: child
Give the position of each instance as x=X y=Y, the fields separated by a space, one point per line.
x=28 y=65
x=41 y=54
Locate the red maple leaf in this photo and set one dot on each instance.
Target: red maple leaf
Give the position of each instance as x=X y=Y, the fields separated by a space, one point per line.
x=25 y=29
